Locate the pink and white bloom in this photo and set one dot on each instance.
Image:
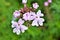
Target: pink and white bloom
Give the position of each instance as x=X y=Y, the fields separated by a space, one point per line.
x=16 y=13
x=50 y=1
x=26 y=16
x=29 y=16
x=18 y=27
x=24 y=1
x=35 y=5
x=46 y=3
x=38 y=20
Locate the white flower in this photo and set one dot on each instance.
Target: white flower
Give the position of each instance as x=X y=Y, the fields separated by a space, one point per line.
x=38 y=20
x=18 y=27
x=35 y=5
x=24 y=1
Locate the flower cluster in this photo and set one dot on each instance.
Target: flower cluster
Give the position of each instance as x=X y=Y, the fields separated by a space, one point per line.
x=26 y=14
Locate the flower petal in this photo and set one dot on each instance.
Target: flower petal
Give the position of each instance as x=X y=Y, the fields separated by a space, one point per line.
x=35 y=23
x=14 y=24
x=20 y=21
x=14 y=30
x=39 y=13
x=41 y=20
x=32 y=15
x=17 y=31
x=41 y=24
x=23 y=28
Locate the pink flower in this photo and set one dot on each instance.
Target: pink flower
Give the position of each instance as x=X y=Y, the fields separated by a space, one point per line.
x=26 y=16
x=38 y=20
x=24 y=1
x=50 y=1
x=35 y=5
x=29 y=16
x=16 y=13
x=18 y=27
x=46 y=3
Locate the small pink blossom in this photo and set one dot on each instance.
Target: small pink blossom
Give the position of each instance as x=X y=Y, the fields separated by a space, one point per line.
x=35 y=5
x=46 y=3
x=16 y=13
x=50 y=1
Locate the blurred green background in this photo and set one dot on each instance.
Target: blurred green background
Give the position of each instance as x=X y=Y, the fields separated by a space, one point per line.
x=50 y=31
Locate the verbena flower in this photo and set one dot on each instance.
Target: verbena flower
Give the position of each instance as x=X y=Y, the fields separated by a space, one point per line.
x=18 y=27
x=16 y=13
x=50 y=1
x=35 y=5
x=46 y=3
x=24 y=1
x=29 y=16
x=38 y=20
x=26 y=16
